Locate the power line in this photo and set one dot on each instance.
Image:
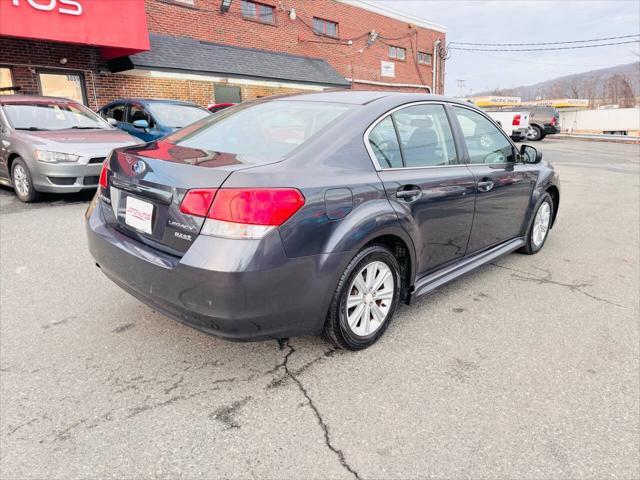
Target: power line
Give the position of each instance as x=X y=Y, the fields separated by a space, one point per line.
x=538 y=49
x=520 y=60
x=545 y=43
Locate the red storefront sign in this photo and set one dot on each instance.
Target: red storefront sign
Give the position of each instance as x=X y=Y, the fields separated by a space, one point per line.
x=118 y=26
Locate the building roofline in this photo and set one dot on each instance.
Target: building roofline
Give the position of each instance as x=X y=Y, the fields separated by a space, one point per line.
x=391 y=13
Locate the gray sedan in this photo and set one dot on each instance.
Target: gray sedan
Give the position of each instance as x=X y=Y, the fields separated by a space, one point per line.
x=52 y=144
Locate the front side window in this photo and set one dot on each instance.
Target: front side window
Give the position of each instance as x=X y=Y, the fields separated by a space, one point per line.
x=398 y=53
x=485 y=142
x=325 y=27
x=384 y=143
x=176 y=115
x=268 y=130
x=67 y=85
x=137 y=112
x=425 y=136
x=258 y=11
x=43 y=115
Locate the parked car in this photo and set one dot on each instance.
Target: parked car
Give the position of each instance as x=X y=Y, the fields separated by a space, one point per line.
x=50 y=144
x=543 y=121
x=515 y=123
x=268 y=232
x=151 y=119
x=216 y=107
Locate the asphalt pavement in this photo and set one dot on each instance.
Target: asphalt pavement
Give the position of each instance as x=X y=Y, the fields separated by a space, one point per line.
x=526 y=368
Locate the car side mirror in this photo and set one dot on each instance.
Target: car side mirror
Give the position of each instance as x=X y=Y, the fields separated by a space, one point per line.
x=530 y=155
x=142 y=124
x=112 y=121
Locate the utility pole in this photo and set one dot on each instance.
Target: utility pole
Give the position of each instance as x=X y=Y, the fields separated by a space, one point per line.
x=462 y=84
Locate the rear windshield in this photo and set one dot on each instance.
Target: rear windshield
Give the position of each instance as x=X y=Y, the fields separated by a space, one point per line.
x=176 y=115
x=44 y=115
x=265 y=130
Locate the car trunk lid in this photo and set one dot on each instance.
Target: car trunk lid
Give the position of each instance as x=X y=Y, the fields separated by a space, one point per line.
x=146 y=186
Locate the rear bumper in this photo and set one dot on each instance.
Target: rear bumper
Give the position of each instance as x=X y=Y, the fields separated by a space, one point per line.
x=237 y=289
x=519 y=133
x=551 y=130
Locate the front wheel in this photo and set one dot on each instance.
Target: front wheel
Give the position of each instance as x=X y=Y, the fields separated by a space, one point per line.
x=365 y=300
x=539 y=228
x=22 y=182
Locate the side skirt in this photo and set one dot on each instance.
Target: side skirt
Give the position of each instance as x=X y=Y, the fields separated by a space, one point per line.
x=437 y=279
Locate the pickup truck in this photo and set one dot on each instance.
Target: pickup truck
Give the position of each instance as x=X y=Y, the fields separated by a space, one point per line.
x=543 y=120
x=514 y=123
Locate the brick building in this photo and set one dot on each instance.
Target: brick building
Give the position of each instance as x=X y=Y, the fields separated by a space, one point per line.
x=210 y=51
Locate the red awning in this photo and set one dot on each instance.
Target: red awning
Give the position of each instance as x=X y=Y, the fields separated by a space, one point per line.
x=119 y=27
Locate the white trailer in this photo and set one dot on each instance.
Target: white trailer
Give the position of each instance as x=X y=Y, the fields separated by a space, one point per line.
x=620 y=121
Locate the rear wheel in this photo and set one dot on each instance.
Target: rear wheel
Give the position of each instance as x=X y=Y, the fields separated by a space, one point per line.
x=539 y=228
x=22 y=183
x=535 y=133
x=365 y=300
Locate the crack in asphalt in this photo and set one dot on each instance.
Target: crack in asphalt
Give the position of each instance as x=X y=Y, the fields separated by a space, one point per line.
x=284 y=343
x=574 y=287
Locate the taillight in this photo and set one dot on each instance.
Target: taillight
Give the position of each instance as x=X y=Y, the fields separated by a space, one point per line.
x=242 y=212
x=260 y=206
x=553 y=121
x=103 y=183
x=516 y=120
x=197 y=202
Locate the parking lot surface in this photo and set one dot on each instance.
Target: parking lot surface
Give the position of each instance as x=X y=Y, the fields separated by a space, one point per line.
x=526 y=368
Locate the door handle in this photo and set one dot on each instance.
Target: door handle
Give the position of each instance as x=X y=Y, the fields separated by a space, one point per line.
x=485 y=185
x=408 y=195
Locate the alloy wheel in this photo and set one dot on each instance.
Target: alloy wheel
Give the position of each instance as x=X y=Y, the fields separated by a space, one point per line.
x=541 y=224
x=21 y=180
x=370 y=298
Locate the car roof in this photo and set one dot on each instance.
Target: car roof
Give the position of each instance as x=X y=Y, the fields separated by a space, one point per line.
x=152 y=100
x=32 y=98
x=364 y=97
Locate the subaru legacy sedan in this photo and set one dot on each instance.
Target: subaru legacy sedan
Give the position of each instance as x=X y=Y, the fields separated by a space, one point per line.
x=50 y=144
x=316 y=213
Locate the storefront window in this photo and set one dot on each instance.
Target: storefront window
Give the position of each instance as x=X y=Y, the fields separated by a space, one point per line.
x=5 y=78
x=67 y=85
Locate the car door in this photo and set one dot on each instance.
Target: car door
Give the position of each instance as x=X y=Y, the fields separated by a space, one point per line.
x=430 y=189
x=503 y=185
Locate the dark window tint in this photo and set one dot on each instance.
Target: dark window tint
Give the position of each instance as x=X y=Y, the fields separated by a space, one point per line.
x=260 y=131
x=116 y=112
x=384 y=143
x=485 y=142
x=258 y=11
x=325 y=27
x=425 y=136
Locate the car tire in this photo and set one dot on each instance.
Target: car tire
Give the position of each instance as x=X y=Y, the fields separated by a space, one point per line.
x=539 y=226
x=22 y=182
x=343 y=327
x=535 y=133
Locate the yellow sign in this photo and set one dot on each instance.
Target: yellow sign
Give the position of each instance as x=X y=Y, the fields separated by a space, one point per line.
x=561 y=103
x=495 y=101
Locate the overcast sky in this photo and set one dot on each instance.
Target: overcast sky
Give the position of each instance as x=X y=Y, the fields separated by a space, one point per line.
x=527 y=21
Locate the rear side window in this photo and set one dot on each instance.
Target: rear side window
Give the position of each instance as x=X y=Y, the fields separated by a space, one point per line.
x=413 y=137
x=425 y=136
x=267 y=130
x=384 y=143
